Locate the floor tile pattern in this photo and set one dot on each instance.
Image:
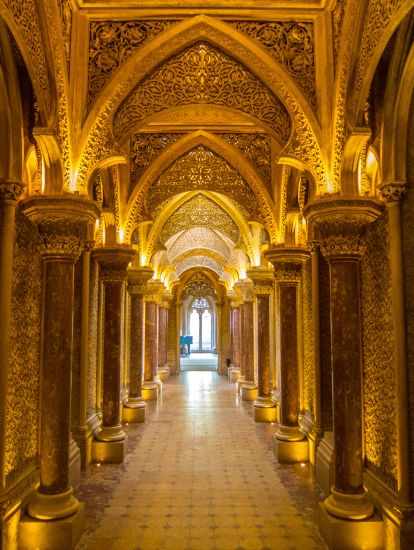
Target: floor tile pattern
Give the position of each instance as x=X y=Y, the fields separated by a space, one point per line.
x=199 y=475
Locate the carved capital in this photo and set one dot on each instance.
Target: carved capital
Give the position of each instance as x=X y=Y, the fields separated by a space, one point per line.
x=10 y=190
x=138 y=278
x=63 y=223
x=314 y=247
x=114 y=262
x=393 y=192
x=340 y=224
x=288 y=273
x=287 y=262
x=245 y=290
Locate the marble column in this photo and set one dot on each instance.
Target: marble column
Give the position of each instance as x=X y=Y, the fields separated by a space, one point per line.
x=9 y=195
x=109 y=444
x=152 y=384
x=134 y=407
x=62 y=224
x=340 y=225
x=290 y=442
x=235 y=334
x=163 y=370
x=247 y=383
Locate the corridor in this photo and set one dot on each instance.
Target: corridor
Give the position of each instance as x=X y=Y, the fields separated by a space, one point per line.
x=199 y=475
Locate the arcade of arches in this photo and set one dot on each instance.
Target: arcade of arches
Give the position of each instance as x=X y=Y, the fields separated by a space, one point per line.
x=255 y=160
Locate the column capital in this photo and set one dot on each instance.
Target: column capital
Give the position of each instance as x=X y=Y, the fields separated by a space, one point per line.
x=244 y=290
x=138 y=279
x=340 y=224
x=263 y=280
x=114 y=261
x=393 y=192
x=64 y=222
x=10 y=190
x=154 y=291
x=287 y=262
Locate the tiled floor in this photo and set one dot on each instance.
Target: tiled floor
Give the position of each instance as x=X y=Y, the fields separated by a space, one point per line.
x=199 y=361
x=199 y=475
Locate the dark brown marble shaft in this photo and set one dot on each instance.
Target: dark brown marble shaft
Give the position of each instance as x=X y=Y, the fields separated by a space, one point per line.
x=151 y=341
x=248 y=341
x=263 y=337
x=289 y=405
x=346 y=363
x=136 y=345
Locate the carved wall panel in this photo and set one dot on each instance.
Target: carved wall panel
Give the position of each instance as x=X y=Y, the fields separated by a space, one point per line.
x=308 y=342
x=203 y=169
x=202 y=74
x=257 y=148
x=66 y=16
x=202 y=212
x=93 y=336
x=111 y=43
x=379 y=384
x=22 y=408
x=291 y=43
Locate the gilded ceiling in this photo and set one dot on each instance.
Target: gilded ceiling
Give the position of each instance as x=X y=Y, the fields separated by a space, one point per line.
x=196 y=238
x=202 y=74
x=202 y=169
x=199 y=261
x=200 y=211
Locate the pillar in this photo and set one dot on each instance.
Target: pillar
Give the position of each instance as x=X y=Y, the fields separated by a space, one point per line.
x=340 y=226
x=134 y=407
x=264 y=406
x=290 y=443
x=234 y=371
x=151 y=385
x=163 y=370
x=62 y=224
x=109 y=445
x=247 y=383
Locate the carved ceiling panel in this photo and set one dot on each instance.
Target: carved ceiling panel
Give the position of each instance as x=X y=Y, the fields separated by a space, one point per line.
x=202 y=212
x=198 y=238
x=337 y=19
x=199 y=286
x=199 y=261
x=111 y=43
x=291 y=43
x=202 y=169
x=202 y=74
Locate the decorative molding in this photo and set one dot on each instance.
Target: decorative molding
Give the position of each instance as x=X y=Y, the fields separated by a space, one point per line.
x=197 y=76
x=393 y=192
x=10 y=190
x=291 y=43
x=66 y=17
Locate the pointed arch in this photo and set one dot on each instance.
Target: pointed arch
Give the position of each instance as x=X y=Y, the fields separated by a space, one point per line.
x=229 y=153
x=172 y=41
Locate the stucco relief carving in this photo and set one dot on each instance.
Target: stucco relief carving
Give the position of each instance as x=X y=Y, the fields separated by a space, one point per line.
x=379 y=384
x=291 y=43
x=202 y=75
x=202 y=212
x=66 y=16
x=201 y=168
x=111 y=43
x=22 y=407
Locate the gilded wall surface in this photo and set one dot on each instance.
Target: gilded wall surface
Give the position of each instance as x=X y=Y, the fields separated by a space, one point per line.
x=308 y=340
x=379 y=389
x=22 y=414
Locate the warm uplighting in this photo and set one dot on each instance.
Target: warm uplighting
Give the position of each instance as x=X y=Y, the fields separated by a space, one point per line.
x=121 y=235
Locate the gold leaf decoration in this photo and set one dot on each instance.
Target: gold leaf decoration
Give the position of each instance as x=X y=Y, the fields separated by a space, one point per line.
x=111 y=43
x=203 y=212
x=202 y=74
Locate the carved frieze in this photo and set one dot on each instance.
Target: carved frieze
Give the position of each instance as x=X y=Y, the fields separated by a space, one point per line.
x=203 y=169
x=199 y=286
x=202 y=74
x=202 y=212
x=291 y=43
x=111 y=43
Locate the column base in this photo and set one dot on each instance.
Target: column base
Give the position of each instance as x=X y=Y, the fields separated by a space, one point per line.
x=342 y=534
x=347 y=506
x=248 y=391
x=241 y=380
x=233 y=374
x=134 y=411
x=60 y=534
x=290 y=445
x=46 y=507
x=264 y=410
x=111 y=434
x=108 y=452
x=149 y=391
x=163 y=373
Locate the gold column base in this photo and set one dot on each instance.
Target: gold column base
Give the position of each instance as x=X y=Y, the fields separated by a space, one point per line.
x=248 y=391
x=240 y=381
x=149 y=391
x=163 y=373
x=51 y=507
x=290 y=445
x=134 y=411
x=342 y=534
x=60 y=534
x=233 y=374
x=265 y=410
x=348 y=506
x=108 y=452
